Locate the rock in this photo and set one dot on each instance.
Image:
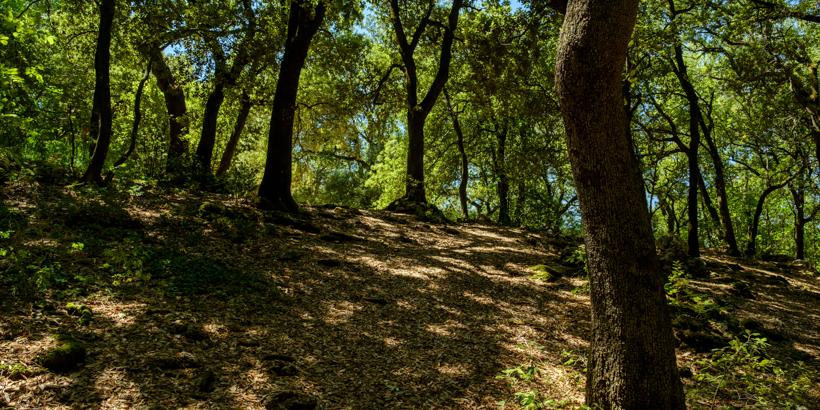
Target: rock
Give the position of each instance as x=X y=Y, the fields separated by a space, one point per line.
x=15 y=371
x=70 y=353
x=209 y=209
x=291 y=256
x=83 y=312
x=290 y=400
x=183 y=360
x=701 y=342
x=337 y=237
x=305 y=227
x=330 y=263
x=545 y=273
x=696 y=267
x=735 y=267
x=671 y=248
x=686 y=322
x=206 y=381
x=777 y=258
x=741 y=289
x=685 y=372
x=776 y=281
x=751 y=324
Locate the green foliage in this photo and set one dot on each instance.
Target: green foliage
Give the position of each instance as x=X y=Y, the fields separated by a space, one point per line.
x=528 y=378
x=682 y=298
x=744 y=373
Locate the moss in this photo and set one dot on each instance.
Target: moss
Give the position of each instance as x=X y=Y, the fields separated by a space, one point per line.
x=15 y=371
x=545 y=273
x=84 y=312
x=66 y=356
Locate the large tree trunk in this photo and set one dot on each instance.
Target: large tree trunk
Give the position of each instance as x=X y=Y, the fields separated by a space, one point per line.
x=102 y=93
x=178 y=122
x=239 y=125
x=462 y=185
x=503 y=179
x=274 y=190
x=632 y=360
x=205 y=149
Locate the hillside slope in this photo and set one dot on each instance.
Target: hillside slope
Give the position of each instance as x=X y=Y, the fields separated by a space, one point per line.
x=334 y=308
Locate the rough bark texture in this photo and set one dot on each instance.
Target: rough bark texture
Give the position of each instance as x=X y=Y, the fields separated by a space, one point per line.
x=274 y=190
x=205 y=148
x=178 y=122
x=417 y=111
x=239 y=125
x=799 y=197
x=462 y=185
x=632 y=360
x=102 y=93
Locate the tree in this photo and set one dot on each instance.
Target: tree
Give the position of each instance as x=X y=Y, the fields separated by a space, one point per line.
x=417 y=111
x=632 y=360
x=274 y=190
x=101 y=113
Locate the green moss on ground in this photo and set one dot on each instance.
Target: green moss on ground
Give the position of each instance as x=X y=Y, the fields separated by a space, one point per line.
x=70 y=352
x=545 y=273
x=15 y=371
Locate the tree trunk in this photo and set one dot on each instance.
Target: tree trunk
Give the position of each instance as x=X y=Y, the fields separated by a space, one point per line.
x=102 y=93
x=417 y=111
x=751 y=246
x=414 y=186
x=205 y=149
x=135 y=126
x=274 y=190
x=503 y=180
x=799 y=221
x=632 y=360
x=722 y=197
x=462 y=185
x=178 y=122
x=239 y=125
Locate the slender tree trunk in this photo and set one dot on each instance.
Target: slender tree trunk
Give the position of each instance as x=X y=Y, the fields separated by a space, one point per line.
x=205 y=149
x=178 y=122
x=239 y=125
x=751 y=247
x=274 y=190
x=135 y=126
x=722 y=196
x=503 y=180
x=707 y=200
x=102 y=93
x=632 y=360
x=798 y=195
x=462 y=186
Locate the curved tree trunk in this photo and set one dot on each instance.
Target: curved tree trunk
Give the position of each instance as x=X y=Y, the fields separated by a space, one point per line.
x=205 y=149
x=239 y=125
x=135 y=126
x=632 y=360
x=102 y=94
x=751 y=246
x=720 y=190
x=462 y=185
x=274 y=189
x=178 y=122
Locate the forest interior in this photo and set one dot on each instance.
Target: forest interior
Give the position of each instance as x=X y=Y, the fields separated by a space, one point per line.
x=409 y=204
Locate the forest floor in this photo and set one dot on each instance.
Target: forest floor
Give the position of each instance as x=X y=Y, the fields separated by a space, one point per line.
x=340 y=309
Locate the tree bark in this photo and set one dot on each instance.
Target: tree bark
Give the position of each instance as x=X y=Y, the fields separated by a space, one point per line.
x=751 y=246
x=102 y=93
x=274 y=190
x=798 y=195
x=135 y=126
x=417 y=111
x=462 y=185
x=239 y=125
x=178 y=122
x=720 y=190
x=205 y=148
x=503 y=180
x=632 y=360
